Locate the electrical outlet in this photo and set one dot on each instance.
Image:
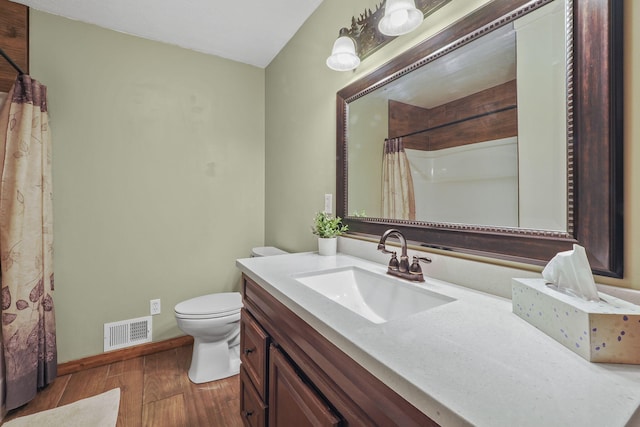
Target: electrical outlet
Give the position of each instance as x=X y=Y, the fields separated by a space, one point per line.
x=328 y=203
x=154 y=306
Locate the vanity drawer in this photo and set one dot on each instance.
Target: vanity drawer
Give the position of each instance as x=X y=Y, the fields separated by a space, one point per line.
x=254 y=343
x=252 y=408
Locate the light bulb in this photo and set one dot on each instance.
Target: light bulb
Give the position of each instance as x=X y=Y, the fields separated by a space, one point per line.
x=399 y=17
x=343 y=55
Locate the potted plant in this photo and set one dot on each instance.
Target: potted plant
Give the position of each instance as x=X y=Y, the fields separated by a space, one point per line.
x=328 y=228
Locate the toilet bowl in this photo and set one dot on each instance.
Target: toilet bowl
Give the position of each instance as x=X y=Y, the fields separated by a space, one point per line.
x=214 y=322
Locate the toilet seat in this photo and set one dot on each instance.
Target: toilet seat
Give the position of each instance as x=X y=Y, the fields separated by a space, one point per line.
x=210 y=306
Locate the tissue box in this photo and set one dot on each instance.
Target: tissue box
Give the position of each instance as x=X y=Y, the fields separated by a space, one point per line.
x=605 y=331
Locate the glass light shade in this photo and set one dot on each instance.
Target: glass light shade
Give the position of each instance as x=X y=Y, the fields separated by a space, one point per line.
x=343 y=55
x=400 y=17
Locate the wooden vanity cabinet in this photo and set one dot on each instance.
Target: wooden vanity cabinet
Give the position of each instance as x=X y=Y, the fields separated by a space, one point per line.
x=307 y=380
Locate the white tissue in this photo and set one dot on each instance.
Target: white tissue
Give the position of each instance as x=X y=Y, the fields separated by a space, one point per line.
x=571 y=273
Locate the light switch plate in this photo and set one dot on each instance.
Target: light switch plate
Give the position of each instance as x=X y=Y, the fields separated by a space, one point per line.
x=328 y=203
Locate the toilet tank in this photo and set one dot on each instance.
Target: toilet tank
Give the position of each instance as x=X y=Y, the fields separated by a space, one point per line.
x=266 y=251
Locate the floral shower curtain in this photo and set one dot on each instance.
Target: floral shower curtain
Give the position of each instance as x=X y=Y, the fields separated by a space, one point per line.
x=26 y=242
x=398 y=200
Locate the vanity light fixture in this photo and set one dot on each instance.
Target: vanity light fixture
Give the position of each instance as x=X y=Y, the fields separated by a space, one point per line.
x=343 y=55
x=400 y=17
x=375 y=28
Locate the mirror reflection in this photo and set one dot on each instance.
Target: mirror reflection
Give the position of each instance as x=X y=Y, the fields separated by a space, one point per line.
x=477 y=136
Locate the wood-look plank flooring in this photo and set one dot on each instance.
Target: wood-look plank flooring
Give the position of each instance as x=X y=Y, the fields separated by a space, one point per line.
x=154 y=392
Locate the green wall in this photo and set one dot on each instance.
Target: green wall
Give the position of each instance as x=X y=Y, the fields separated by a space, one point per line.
x=158 y=169
x=300 y=125
x=368 y=128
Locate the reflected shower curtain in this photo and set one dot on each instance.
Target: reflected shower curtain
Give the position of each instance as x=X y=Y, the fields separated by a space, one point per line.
x=398 y=200
x=26 y=243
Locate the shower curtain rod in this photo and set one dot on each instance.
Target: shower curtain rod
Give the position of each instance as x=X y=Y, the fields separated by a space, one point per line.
x=10 y=61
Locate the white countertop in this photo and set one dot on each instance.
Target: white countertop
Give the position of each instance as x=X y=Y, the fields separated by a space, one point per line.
x=467 y=362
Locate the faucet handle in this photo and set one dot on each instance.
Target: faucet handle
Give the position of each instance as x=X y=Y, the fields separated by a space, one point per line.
x=394 y=264
x=415 y=265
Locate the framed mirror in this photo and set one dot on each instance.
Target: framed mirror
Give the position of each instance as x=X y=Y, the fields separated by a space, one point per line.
x=500 y=136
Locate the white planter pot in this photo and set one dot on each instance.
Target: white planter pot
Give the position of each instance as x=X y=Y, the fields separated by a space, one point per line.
x=327 y=246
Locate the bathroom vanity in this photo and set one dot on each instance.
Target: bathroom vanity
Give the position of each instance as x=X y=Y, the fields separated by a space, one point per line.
x=465 y=360
x=293 y=373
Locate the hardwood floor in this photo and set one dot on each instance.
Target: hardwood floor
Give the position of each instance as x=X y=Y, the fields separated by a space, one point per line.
x=155 y=392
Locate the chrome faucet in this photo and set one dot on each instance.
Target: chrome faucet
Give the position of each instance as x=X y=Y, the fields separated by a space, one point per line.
x=401 y=268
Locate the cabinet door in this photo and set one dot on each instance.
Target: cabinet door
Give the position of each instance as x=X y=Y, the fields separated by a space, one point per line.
x=253 y=352
x=252 y=408
x=292 y=402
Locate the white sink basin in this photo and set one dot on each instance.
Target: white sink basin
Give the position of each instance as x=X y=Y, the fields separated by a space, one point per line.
x=377 y=298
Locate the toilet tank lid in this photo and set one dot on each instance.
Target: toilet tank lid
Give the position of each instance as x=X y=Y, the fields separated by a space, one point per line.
x=267 y=251
x=211 y=304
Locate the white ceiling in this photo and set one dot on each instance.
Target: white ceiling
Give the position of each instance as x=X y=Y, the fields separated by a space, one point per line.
x=485 y=62
x=248 y=31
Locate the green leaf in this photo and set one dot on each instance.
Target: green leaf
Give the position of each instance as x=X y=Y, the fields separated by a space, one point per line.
x=327 y=226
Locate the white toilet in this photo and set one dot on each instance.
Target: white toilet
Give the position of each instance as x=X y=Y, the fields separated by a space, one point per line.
x=214 y=322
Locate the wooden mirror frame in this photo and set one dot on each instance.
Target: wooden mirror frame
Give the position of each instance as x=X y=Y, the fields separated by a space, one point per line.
x=594 y=155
